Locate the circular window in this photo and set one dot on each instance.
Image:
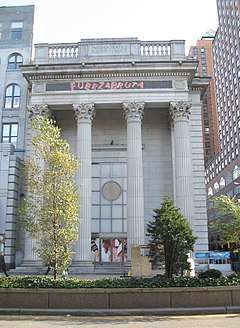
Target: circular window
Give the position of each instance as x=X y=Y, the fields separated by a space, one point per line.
x=111 y=190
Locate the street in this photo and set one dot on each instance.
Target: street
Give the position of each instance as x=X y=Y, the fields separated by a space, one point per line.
x=210 y=321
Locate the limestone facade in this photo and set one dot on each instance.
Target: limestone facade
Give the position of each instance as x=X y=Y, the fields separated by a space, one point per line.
x=131 y=111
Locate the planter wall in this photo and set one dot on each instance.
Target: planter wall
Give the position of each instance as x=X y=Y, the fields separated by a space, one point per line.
x=127 y=298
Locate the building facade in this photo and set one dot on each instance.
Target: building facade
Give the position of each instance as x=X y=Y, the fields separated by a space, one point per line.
x=202 y=51
x=16 y=31
x=223 y=172
x=131 y=111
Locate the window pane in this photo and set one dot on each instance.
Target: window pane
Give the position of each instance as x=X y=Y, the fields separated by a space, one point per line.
x=9 y=90
x=106 y=212
x=14 y=130
x=105 y=226
x=117 y=171
x=117 y=212
x=17 y=25
x=16 y=30
x=16 y=102
x=13 y=140
x=117 y=226
x=105 y=170
x=95 y=197
x=95 y=225
x=6 y=130
x=16 y=35
x=8 y=103
x=9 y=133
x=5 y=139
x=95 y=184
x=14 y=61
x=16 y=90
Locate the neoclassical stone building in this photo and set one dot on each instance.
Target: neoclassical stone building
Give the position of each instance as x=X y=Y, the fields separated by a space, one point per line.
x=131 y=111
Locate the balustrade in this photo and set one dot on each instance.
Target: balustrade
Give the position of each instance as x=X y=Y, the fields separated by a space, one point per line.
x=134 y=50
x=153 y=49
x=63 y=51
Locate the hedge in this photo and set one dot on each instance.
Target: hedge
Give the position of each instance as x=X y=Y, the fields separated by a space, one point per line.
x=158 y=282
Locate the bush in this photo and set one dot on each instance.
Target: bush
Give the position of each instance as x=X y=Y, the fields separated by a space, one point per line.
x=211 y=273
x=34 y=282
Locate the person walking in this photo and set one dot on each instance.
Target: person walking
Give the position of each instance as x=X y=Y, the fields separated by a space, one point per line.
x=3 y=264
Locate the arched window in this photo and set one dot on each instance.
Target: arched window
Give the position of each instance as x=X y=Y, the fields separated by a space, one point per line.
x=210 y=191
x=216 y=187
x=236 y=172
x=14 y=61
x=12 y=96
x=222 y=183
x=229 y=178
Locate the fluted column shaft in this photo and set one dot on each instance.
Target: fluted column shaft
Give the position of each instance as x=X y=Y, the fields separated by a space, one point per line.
x=135 y=201
x=180 y=112
x=30 y=256
x=84 y=114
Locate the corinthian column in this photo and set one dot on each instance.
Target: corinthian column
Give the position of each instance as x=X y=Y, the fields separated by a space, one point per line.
x=30 y=256
x=84 y=114
x=180 y=112
x=135 y=201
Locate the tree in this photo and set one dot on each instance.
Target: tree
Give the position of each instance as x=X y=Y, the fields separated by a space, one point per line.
x=227 y=224
x=50 y=210
x=171 y=238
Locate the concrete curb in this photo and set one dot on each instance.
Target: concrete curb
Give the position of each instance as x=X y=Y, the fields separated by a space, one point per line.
x=123 y=312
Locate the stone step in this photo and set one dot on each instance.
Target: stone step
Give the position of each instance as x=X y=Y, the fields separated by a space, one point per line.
x=104 y=269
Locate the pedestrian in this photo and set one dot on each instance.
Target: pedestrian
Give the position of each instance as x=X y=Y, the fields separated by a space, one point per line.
x=191 y=264
x=50 y=267
x=3 y=264
x=65 y=273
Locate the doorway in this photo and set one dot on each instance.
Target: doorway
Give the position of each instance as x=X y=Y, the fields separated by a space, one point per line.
x=109 y=250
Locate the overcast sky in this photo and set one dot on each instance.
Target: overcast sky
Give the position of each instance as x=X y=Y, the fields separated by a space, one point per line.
x=72 y=20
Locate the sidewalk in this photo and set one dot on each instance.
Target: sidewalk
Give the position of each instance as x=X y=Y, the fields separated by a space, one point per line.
x=122 y=312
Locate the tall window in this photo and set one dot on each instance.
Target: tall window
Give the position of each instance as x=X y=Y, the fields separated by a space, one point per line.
x=12 y=96
x=10 y=133
x=14 y=61
x=16 y=30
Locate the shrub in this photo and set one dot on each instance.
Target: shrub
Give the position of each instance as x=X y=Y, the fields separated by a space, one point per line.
x=211 y=273
x=34 y=282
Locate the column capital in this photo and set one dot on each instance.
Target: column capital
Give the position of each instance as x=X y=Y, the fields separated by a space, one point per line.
x=84 y=112
x=37 y=109
x=180 y=109
x=133 y=111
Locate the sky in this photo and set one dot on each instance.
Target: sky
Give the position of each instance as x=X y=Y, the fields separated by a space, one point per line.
x=69 y=21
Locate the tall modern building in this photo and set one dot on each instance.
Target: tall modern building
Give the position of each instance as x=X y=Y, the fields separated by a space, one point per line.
x=131 y=111
x=202 y=51
x=223 y=173
x=16 y=31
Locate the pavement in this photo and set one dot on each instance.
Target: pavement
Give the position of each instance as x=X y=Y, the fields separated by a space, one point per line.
x=122 y=312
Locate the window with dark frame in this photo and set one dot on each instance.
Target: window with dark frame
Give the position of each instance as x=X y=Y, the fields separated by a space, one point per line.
x=12 y=96
x=10 y=133
x=14 y=61
x=16 y=30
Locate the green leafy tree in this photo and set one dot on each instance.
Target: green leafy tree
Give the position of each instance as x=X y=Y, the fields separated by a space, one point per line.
x=227 y=223
x=171 y=238
x=50 y=210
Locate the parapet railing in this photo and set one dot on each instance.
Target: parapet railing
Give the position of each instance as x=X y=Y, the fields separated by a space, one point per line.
x=155 y=48
x=124 y=50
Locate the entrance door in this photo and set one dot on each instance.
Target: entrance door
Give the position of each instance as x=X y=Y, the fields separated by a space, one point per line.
x=110 y=250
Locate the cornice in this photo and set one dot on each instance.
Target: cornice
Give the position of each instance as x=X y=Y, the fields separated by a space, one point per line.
x=37 y=77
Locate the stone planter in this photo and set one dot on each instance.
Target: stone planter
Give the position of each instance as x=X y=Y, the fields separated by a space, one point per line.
x=125 y=298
